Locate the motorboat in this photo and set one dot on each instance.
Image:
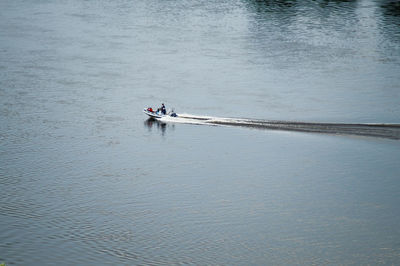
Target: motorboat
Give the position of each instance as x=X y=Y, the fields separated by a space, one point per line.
x=158 y=114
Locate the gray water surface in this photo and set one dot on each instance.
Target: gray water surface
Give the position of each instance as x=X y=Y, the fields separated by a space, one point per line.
x=86 y=179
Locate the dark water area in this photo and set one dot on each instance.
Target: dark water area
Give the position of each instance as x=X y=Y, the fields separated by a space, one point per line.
x=245 y=177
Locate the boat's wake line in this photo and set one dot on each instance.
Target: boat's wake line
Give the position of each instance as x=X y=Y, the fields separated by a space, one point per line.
x=391 y=131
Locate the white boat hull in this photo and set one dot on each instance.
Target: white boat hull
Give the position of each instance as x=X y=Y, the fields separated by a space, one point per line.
x=152 y=114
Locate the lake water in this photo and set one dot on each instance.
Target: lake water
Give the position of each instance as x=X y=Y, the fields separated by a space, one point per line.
x=86 y=179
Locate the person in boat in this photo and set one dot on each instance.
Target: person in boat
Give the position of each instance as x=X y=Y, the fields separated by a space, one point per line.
x=162 y=109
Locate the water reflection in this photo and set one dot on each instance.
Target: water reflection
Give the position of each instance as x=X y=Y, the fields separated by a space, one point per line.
x=267 y=9
x=390 y=19
x=271 y=5
x=158 y=125
x=391 y=8
x=327 y=2
x=289 y=9
x=288 y=6
x=299 y=33
x=389 y=27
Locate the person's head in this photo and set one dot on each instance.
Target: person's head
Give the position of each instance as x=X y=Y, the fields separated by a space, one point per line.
x=162 y=104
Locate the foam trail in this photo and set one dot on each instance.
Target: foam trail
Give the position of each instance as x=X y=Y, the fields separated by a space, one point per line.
x=184 y=120
x=391 y=131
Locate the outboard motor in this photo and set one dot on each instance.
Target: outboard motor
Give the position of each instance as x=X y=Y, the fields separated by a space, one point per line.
x=172 y=113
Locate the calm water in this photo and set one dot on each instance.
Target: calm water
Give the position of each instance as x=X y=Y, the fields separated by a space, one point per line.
x=86 y=179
